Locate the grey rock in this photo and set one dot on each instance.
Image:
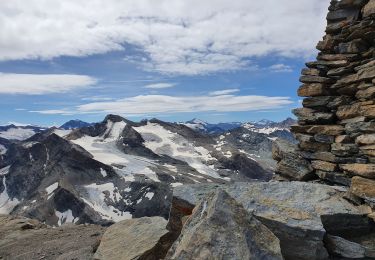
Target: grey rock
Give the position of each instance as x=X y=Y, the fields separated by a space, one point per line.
x=220 y=228
x=291 y=210
x=25 y=239
x=133 y=239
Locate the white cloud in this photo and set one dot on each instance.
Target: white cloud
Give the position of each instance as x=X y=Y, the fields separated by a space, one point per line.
x=224 y=92
x=97 y=98
x=154 y=104
x=280 y=68
x=160 y=85
x=37 y=84
x=180 y=36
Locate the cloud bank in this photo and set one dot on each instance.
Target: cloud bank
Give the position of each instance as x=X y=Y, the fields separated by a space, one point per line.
x=156 y=104
x=38 y=84
x=175 y=37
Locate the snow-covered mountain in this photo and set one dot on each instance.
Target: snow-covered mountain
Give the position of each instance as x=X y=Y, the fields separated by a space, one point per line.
x=263 y=126
x=16 y=132
x=204 y=127
x=114 y=170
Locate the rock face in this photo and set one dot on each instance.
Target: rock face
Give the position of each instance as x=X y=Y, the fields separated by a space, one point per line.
x=299 y=214
x=25 y=239
x=220 y=228
x=336 y=126
x=132 y=239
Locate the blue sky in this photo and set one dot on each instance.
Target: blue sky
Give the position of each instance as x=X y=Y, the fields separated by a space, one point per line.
x=174 y=60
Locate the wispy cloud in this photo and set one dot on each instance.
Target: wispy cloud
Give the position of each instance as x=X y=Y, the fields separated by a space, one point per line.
x=280 y=68
x=152 y=104
x=179 y=37
x=224 y=92
x=97 y=98
x=160 y=85
x=38 y=84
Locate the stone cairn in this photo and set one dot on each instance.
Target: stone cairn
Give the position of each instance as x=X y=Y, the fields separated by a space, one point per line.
x=336 y=126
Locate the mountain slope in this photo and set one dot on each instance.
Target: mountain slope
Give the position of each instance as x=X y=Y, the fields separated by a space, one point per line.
x=113 y=170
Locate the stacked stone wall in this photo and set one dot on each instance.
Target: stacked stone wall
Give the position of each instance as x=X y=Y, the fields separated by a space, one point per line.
x=336 y=126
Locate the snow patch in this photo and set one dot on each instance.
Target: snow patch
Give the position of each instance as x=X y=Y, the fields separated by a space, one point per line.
x=65 y=217
x=104 y=149
x=62 y=132
x=163 y=142
x=103 y=172
x=7 y=204
x=3 y=150
x=149 y=195
x=96 y=198
x=52 y=188
x=17 y=133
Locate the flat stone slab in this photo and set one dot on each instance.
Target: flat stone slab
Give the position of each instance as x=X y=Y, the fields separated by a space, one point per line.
x=132 y=239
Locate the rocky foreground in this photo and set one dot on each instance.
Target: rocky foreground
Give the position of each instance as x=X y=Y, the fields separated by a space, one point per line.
x=260 y=220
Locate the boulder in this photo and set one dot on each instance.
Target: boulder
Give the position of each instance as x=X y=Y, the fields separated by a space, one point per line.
x=133 y=239
x=293 y=211
x=220 y=228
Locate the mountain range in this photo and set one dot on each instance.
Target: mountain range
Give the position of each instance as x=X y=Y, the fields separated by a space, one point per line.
x=118 y=169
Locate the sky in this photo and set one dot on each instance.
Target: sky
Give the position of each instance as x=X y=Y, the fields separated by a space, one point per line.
x=216 y=60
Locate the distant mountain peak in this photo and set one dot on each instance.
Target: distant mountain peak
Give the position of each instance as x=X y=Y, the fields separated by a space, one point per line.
x=73 y=124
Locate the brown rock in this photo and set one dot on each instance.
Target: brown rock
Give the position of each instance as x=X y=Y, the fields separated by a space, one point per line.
x=367 y=73
x=363 y=188
x=326 y=129
x=365 y=139
x=368 y=111
x=310 y=72
x=314 y=146
x=348 y=111
x=309 y=115
x=312 y=90
x=327 y=44
x=343 y=139
x=369 y=9
x=364 y=170
x=366 y=93
x=314 y=102
x=355 y=46
x=365 y=127
x=368 y=150
x=341 y=149
x=324 y=166
x=315 y=79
